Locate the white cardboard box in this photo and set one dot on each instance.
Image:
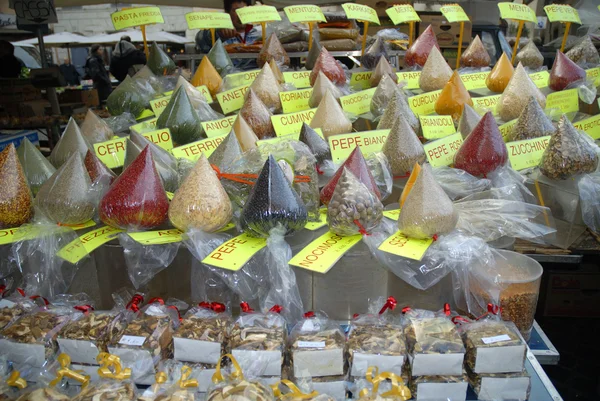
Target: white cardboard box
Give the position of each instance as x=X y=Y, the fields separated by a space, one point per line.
x=140 y=361
x=189 y=350
x=509 y=359
x=80 y=351
x=318 y=363
x=336 y=389
x=30 y=354
x=434 y=391
x=268 y=361
x=509 y=388
x=437 y=364
x=385 y=363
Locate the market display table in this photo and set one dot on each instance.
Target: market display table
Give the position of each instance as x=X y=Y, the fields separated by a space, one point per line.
x=586 y=244
x=541 y=347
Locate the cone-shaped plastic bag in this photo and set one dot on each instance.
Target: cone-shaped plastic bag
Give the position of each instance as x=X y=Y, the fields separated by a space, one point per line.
x=532 y=123
x=94 y=129
x=374 y=54
x=258 y=117
x=197 y=99
x=589 y=193
x=516 y=95
x=206 y=74
x=420 y=49
x=277 y=72
x=266 y=87
x=468 y=120
x=272 y=50
x=530 y=56
x=273 y=203
x=159 y=62
x=436 y=72
x=453 y=98
x=16 y=202
x=145 y=74
x=200 y=202
x=158 y=153
x=475 y=55
x=330 y=117
x=409 y=184
x=219 y=58
x=427 y=210
x=330 y=67
x=66 y=197
x=137 y=199
x=584 y=52
x=568 y=153
x=398 y=106
x=383 y=68
x=169 y=177
x=129 y=97
x=403 y=148
x=383 y=95
x=564 y=72
x=97 y=170
x=358 y=166
x=244 y=134
x=36 y=167
x=181 y=119
x=317 y=145
x=70 y=142
x=228 y=151
x=322 y=85
x=483 y=151
x=313 y=55
x=500 y=75
x=353 y=209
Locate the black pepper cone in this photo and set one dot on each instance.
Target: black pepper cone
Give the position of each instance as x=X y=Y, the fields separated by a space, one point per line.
x=317 y=145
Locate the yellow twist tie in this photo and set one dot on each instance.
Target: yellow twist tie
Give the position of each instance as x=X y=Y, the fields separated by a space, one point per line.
x=184 y=382
x=295 y=392
x=15 y=380
x=236 y=374
x=110 y=367
x=399 y=389
x=64 y=361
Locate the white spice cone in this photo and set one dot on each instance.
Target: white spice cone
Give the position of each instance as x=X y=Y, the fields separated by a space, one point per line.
x=383 y=68
x=436 y=72
x=320 y=88
x=517 y=93
x=95 y=129
x=276 y=71
x=403 y=148
x=468 y=120
x=266 y=86
x=71 y=141
x=330 y=117
x=398 y=106
x=245 y=136
x=383 y=95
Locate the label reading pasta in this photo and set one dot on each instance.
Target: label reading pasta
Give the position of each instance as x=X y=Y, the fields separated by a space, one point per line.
x=136 y=17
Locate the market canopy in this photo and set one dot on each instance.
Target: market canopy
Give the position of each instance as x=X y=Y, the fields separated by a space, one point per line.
x=57 y=39
x=136 y=36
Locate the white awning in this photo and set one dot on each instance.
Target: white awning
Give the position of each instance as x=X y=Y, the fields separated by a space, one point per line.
x=57 y=39
x=136 y=37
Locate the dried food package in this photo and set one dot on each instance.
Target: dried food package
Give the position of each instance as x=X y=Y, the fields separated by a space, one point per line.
x=500 y=76
x=320 y=88
x=158 y=153
x=168 y=176
x=529 y=56
x=403 y=148
x=516 y=95
x=206 y=74
x=337 y=45
x=383 y=95
x=317 y=145
x=66 y=198
x=483 y=151
x=137 y=199
x=13 y=306
x=501 y=386
x=353 y=209
x=272 y=50
x=493 y=346
x=468 y=120
x=313 y=55
x=16 y=201
x=200 y=202
x=453 y=387
x=564 y=72
x=258 y=116
x=330 y=117
x=180 y=117
x=532 y=123
x=584 y=52
x=357 y=165
x=277 y=72
x=273 y=203
x=435 y=347
x=589 y=193
x=202 y=373
x=115 y=390
x=373 y=54
x=199 y=103
x=475 y=56
x=159 y=62
x=219 y=58
x=427 y=210
x=383 y=68
x=317 y=347
x=71 y=141
x=244 y=134
x=419 y=51
x=453 y=98
x=568 y=153
x=35 y=166
x=266 y=87
x=97 y=170
x=131 y=96
x=228 y=151
x=330 y=67
x=326 y=34
x=398 y=106
x=436 y=72
x=95 y=129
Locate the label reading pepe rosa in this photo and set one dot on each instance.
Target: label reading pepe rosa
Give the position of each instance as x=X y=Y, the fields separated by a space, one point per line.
x=442 y=151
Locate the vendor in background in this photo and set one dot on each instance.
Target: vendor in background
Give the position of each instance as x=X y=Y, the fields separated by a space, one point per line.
x=96 y=71
x=126 y=59
x=10 y=66
x=70 y=73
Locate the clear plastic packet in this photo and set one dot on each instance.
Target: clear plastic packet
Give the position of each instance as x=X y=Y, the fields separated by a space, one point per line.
x=159 y=62
x=372 y=55
x=291 y=392
x=500 y=76
x=383 y=68
x=320 y=88
x=386 y=386
x=16 y=201
x=35 y=166
x=98 y=172
x=436 y=72
x=568 y=153
x=483 y=151
x=181 y=118
x=564 y=72
x=517 y=93
x=419 y=51
x=206 y=74
x=589 y=194
x=454 y=387
x=453 y=97
x=168 y=176
x=146 y=75
x=468 y=121
x=219 y=58
x=71 y=141
x=266 y=87
x=272 y=50
x=330 y=117
x=180 y=381
x=532 y=123
x=114 y=382
x=95 y=129
x=158 y=153
x=277 y=72
x=317 y=145
x=234 y=385
x=529 y=56
x=228 y=151
x=330 y=67
x=287 y=32
x=258 y=116
x=403 y=148
x=313 y=55
x=198 y=101
x=458 y=183
x=501 y=386
x=397 y=106
x=131 y=96
x=383 y=95
x=382 y=173
x=586 y=89
x=337 y=45
x=326 y=34
x=584 y=52
x=244 y=133
x=13 y=306
x=475 y=55
x=137 y=199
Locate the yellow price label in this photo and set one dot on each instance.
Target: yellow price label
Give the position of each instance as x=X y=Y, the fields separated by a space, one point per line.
x=170 y=195
x=411 y=78
x=208 y=20
x=136 y=17
x=192 y=151
x=294 y=101
x=360 y=12
x=77 y=249
x=235 y=253
x=257 y=14
x=233 y=99
x=219 y=127
x=158 y=237
x=435 y=127
x=324 y=252
x=159 y=104
x=407 y=247
x=241 y=78
x=286 y=124
x=315 y=225
x=368 y=141
x=425 y=103
x=8 y=235
x=441 y=152
x=593 y=74
x=289 y=137
x=590 y=126
x=304 y=13
x=145 y=126
x=145 y=114
x=393 y=214
x=486 y=103
x=454 y=13
x=540 y=79
x=300 y=79
x=527 y=153
x=358 y=103
x=202 y=89
x=361 y=80
x=111 y=152
x=400 y=14
x=160 y=137
x=506 y=128
x=566 y=101
x=562 y=13
x=475 y=81
x=515 y=11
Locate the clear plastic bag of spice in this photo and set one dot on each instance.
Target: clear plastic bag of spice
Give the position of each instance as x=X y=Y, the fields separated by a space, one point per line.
x=589 y=194
x=372 y=54
x=198 y=101
x=118 y=389
x=267 y=88
x=220 y=58
x=436 y=72
x=258 y=116
x=330 y=67
x=272 y=50
x=16 y=201
x=181 y=118
x=36 y=167
x=584 y=53
x=159 y=62
x=458 y=183
x=131 y=96
x=168 y=175
x=70 y=142
x=94 y=129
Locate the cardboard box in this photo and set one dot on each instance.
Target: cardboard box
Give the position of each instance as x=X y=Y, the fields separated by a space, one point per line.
x=573 y=294
x=447 y=34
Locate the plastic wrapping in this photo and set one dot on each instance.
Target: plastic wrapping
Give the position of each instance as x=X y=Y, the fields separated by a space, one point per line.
x=94 y=129
x=454 y=387
x=317 y=145
x=419 y=51
x=244 y=133
x=137 y=198
x=500 y=76
x=398 y=106
x=403 y=148
x=159 y=62
x=35 y=166
x=168 y=176
x=458 y=183
x=313 y=55
x=206 y=74
x=71 y=141
x=97 y=170
x=568 y=153
x=330 y=117
x=330 y=67
x=383 y=68
x=228 y=151
x=258 y=117
x=219 y=58
x=468 y=121
x=501 y=386
x=383 y=95
x=584 y=52
x=67 y=197
x=236 y=386
x=13 y=307
x=198 y=101
x=272 y=50
x=320 y=88
x=453 y=97
x=16 y=201
x=118 y=390
x=372 y=55
x=131 y=96
x=158 y=153
x=266 y=87
x=475 y=56
x=337 y=45
x=532 y=123
x=181 y=119
x=529 y=56
x=516 y=95
x=564 y=72
x=436 y=72
x=277 y=72
x=146 y=75
x=326 y=34
x=589 y=194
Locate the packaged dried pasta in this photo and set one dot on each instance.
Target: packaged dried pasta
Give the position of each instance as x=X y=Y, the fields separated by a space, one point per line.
x=336 y=33
x=453 y=98
x=180 y=117
x=532 y=123
x=272 y=50
x=517 y=93
x=373 y=53
x=403 y=148
x=266 y=87
x=397 y=106
x=206 y=74
x=320 y=88
x=35 y=166
x=501 y=386
x=330 y=67
x=584 y=52
x=436 y=72
x=500 y=76
x=419 y=51
x=529 y=56
x=383 y=95
x=475 y=56
x=219 y=58
x=383 y=68
x=337 y=45
x=564 y=72
x=330 y=117
x=468 y=121
x=16 y=201
x=258 y=116
x=70 y=142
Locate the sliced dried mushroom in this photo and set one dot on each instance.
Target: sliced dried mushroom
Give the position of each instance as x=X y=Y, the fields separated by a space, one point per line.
x=332 y=338
x=98 y=327
x=157 y=331
x=34 y=328
x=474 y=335
x=213 y=329
x=257 y=338
x=380 y=340
x=242 y=391
x=107 y=391
x=433 y=336
x=8 y=314
x=43 y=394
